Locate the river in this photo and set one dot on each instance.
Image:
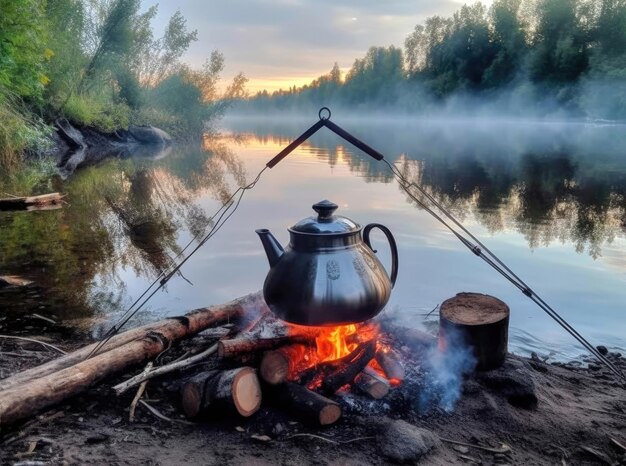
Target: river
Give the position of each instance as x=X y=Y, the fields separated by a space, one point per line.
x=549 y=198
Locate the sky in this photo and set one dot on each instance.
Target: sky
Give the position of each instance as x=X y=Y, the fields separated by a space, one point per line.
x=281 y=43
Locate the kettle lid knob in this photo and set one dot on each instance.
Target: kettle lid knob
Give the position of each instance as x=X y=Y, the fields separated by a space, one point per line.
x=325 y=209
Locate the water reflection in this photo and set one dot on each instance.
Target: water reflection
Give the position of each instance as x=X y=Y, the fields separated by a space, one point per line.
x=526 y=185
x=554 y=182
x=124 y=214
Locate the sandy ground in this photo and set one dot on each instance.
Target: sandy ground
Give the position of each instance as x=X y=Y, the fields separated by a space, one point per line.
x=528 y=412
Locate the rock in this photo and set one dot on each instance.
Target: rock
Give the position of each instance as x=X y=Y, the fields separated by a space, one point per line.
x=402 y=442
x=514 y=382
x=150 y=135
x=602 y=350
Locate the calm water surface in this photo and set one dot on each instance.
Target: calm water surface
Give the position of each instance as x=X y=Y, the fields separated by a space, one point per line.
x=548 y=198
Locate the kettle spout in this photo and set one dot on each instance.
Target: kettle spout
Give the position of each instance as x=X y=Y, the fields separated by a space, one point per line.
x=272 y=247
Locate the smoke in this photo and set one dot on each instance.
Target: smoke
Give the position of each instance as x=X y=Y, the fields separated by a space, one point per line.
x=443 y=372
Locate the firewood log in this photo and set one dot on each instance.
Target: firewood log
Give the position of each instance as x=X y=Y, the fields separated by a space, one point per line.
x=278 y=364
x=237 y=389
x=390 y=363
x=24 y=394
x=371 y=383
x=304 y=403
x=350 y=368
x=191 y=323
x=480 y=321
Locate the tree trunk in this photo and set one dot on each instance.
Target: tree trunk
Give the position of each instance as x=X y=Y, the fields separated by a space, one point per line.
x=237 y=389
x=21 y=397
x=308 y=405
x=480 y=321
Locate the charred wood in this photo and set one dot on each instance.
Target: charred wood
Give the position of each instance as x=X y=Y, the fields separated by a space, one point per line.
x=304 y=403
x=372 y=384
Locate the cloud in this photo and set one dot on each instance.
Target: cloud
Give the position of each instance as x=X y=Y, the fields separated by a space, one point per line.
x=280 y=38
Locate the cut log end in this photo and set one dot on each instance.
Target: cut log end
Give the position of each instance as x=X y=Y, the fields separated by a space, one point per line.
x=246 y=392
x=474 y=309
x=274 y=367
x=329 y=415
x=192 y=399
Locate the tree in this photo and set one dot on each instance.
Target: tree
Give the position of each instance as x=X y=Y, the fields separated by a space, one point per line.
x=22 y=48
x=509 y=38
x=64 y=68
x=561 y=43
x=375 y=77
x=157 y=59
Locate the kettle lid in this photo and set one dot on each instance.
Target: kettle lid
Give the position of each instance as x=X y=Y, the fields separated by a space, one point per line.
x=325 y=222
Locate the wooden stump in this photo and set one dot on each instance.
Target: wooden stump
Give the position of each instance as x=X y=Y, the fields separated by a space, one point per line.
x=482 y=321
x=237 y=388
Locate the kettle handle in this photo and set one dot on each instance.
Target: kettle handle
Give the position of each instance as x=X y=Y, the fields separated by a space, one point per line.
x=392 y=245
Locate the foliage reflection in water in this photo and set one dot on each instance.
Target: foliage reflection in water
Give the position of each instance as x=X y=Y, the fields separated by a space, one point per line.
x=548 y=198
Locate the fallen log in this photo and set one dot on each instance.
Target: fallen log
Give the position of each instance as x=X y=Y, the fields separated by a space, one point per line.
x=32 y=202
x=372 y=384
x=350 y=368
x=193 y=322
x=278 y=364
x=13 y=281
x=237 y=389
x=306 y=404
x=23 y=399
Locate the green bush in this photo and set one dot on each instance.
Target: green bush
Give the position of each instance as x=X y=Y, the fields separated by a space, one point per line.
x=84 y=110
x=20 y=134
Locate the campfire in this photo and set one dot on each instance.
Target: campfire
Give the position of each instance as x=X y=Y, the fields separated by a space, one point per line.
x=301 y=366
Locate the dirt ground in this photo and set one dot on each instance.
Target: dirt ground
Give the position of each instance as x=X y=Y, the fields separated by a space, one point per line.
x=528 y=412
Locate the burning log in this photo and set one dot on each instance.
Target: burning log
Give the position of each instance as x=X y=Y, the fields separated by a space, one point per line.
x=25 y=393
x=237 y=389
x=482 y=321
x=369 y=382
x=311 y=406
x=349 y=368
x=390 y=364
x=268 y=333
x=277 y=365
x=248 y=344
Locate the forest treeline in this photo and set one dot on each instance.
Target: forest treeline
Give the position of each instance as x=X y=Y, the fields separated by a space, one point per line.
x=537 y=57
x=99 y=63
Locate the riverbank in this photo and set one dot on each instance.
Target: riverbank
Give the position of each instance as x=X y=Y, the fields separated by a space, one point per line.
x=527 y=412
